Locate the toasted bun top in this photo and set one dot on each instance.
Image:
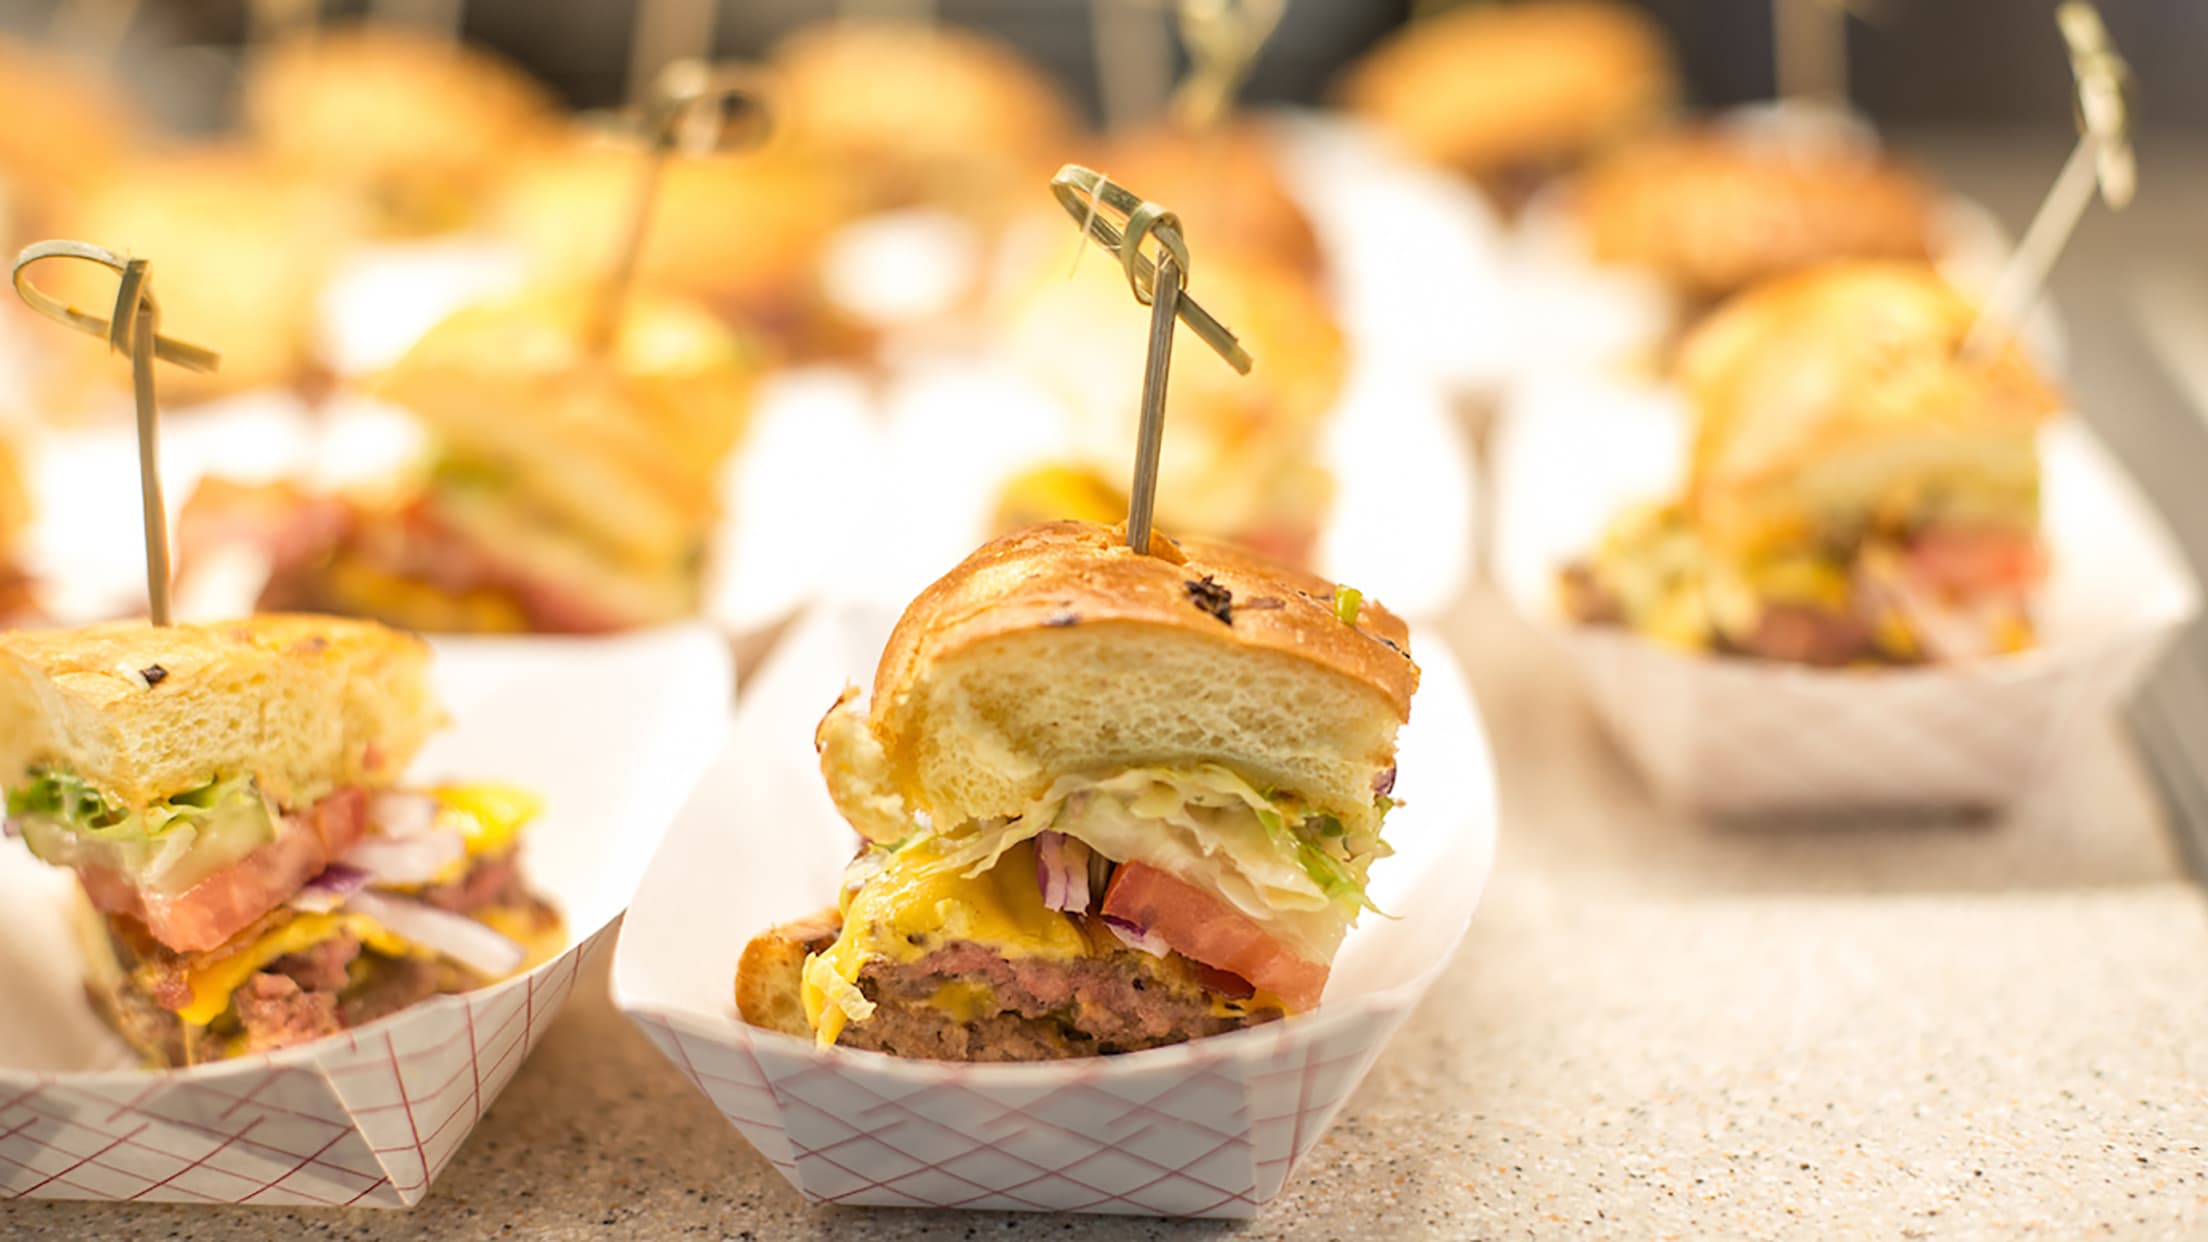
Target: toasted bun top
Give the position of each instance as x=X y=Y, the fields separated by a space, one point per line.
x=1057 y=649
x=1855 y=362
x=1486 y=87
x=919 y=112
x=306 y=704
x=403 y=116
x=1712 y=212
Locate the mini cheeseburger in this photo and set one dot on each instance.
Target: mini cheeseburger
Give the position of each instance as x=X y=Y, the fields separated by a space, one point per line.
x=414 y=127
x=1712 y=210
x=570 y=488
x=1510 y=95
x=254 y=874
x=1110 y=802
x=1858 y=490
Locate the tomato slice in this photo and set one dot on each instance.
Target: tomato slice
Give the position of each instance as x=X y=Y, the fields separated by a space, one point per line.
x=1204 y=928
x=208 y=913
x=1962 y=562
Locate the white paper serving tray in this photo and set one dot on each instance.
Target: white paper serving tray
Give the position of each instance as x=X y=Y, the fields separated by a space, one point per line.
x=612 y=733
x=1740 y=737
x=1209 y=1128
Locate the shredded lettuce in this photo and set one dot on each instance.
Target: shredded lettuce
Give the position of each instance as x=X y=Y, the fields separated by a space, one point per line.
x=68 y=822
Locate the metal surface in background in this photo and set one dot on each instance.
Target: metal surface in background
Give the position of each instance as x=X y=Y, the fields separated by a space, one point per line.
x=2123 y=288
x=1925 y=62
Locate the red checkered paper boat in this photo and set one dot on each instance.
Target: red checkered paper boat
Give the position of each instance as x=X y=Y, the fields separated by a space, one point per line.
x=1213 y=1127
x=370 y=1116
x=1733 y=736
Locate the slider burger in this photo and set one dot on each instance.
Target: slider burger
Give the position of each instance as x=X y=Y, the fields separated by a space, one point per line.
x=1244 y=464
x=739 y=230
x=1710 y=211
x=241 y=251
x=83 y=131
x=571 y=488
x=1858 y=491
x=1510 y=95
x=253 y=874
x=1110 y=801
x=416 y=128
x=917 y=114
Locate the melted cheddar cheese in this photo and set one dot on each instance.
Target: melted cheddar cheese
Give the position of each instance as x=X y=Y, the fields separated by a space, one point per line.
x=214 y=980
x=910 y=908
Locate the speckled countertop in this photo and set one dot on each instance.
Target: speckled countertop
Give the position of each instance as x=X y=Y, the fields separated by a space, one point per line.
x=1656 y=1029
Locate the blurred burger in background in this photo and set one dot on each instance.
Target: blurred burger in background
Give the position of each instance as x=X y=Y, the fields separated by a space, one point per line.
x=1227 y=185
x=740 y=230
x=417 y=129
x=1858 y=489
x=920 y=115
x=1511 y=95
x=67 y=130
x=239 y=250
x=572 y=486
x=1713 y=209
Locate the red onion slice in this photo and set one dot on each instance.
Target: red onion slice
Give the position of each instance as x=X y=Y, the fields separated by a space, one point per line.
x=1136 y=938
x=457 y=936
x=1062 y=871
x=328 y=891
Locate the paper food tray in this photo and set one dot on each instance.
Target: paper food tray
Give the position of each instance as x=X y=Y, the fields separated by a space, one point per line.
x=1208 y=1128
x=1736 y=737
x=612 y=733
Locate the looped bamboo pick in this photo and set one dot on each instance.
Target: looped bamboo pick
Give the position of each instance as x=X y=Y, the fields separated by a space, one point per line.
x=1159 y=284
x=133 y=328
x=2101 y=161
x=1223 y=38
x=688 y=111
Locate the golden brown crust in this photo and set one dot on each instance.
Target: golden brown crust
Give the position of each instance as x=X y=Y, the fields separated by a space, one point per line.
x=1711 y=212
x=1485 y=88
x=304 y=703
x=770 y=975
x=1067 y=574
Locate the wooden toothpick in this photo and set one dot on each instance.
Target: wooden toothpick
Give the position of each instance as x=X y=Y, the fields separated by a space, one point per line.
x=132 y=327
x=684 y=89
x=1158 y=284
x=2102 y=160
